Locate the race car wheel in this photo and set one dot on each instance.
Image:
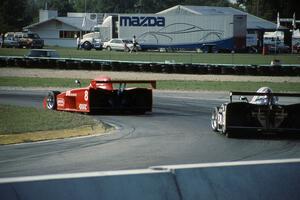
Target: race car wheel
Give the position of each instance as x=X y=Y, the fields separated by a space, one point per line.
x=108 y=48
x=51 y=100
x=214 y=119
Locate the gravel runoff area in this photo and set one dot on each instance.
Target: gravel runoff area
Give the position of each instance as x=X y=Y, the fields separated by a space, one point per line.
x=85 y=74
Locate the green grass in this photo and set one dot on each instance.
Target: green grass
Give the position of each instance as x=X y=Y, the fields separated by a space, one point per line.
x=40 y=82
x=163 y=85
x=185 y=57
x=15 y=119
x=227 y=86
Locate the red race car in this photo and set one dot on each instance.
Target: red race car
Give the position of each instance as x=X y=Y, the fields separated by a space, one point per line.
x=101 y=96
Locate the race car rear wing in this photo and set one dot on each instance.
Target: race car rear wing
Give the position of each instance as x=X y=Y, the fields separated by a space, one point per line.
x=269 y=95
x=151 y=82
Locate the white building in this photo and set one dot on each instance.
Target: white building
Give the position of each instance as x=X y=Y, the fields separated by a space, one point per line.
x=62 y=31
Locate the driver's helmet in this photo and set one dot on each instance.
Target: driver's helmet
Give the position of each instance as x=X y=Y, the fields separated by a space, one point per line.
x=263 y=100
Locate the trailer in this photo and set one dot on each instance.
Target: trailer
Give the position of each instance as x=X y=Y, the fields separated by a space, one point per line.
x=177 y=32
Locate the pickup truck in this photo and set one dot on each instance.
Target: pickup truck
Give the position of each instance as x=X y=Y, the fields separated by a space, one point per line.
x=29 y=40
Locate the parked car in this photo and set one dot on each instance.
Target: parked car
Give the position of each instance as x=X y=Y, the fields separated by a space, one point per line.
x=48 y=53
x=29 y=40
x=10 y=42
x=119 y=44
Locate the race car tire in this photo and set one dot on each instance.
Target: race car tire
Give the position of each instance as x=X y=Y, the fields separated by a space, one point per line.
x=214 y=119
x=108 y=48
x=51 y=100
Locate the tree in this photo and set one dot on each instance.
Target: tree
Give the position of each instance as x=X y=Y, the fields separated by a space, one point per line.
x=221 y=3
x=268 y=9
x=62 y=6
x=13 y=15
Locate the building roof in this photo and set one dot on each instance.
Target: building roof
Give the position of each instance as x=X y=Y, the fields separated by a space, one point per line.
x=75 y=22
x=253 y=22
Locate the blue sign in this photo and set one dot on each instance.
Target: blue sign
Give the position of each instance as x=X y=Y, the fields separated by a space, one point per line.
x=142 y=21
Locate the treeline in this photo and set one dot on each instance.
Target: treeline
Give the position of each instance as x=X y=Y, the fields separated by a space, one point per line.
x=268 y=9
x=18 y=13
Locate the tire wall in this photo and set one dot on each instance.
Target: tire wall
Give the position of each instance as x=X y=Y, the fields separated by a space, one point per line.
x=217 y=69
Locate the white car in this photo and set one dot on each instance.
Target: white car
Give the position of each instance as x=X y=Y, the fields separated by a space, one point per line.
x=119 y=44
x=10 y=42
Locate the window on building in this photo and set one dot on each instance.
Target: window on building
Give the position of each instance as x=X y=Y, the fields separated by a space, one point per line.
x=70 y=34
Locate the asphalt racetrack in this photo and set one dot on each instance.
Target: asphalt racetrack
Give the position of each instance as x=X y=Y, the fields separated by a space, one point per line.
x=176 y=132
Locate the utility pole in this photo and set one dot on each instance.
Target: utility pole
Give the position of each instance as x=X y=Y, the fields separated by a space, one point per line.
x=257 y=5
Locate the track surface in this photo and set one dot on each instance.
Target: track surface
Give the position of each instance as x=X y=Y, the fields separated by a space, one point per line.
x=176 y=132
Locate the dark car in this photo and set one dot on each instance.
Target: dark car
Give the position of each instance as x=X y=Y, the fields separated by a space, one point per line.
x=29 y=40
x=263 y=114
x=47 y=53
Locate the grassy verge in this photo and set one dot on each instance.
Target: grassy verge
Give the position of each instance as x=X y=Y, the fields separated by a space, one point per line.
x=24 y=124
x=162 y=85
x=227 y=86
x=179 y=57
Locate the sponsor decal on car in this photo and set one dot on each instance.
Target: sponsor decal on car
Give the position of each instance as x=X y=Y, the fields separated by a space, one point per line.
x=270 y=118
x=70 y=94
x=82 y=106
x=86 y=95
x=60 y=102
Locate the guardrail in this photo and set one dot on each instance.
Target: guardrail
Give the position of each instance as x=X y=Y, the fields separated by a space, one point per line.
x=273 y=179
x=178 y=68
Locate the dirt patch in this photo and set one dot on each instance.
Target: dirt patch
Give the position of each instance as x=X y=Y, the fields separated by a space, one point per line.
x=85 y=74
x=54 y=135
